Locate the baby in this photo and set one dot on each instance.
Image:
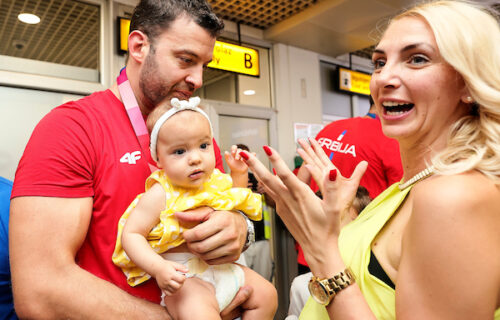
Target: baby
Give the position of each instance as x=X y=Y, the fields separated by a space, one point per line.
x=150 y=242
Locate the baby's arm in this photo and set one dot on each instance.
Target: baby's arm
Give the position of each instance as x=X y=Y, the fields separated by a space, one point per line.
x=140 y=222
x=239 y=169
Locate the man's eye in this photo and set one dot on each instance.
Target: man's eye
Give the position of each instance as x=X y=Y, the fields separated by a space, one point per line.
x=186 y=60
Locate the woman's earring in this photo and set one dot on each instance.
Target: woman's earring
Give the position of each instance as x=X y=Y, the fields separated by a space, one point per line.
x=469 y=99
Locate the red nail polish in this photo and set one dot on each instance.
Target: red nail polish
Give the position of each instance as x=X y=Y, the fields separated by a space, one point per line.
x=244 y=155
x=333 y=175
x=267 y=150
x=274 y=171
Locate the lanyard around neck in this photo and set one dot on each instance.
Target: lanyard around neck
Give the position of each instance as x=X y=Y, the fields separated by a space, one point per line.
x=134 y=114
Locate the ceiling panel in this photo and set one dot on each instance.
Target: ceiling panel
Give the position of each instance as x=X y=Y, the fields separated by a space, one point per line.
x=67 y=34
x=69 y=29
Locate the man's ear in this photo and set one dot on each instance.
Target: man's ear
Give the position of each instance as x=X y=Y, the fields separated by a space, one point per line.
x=138 y=45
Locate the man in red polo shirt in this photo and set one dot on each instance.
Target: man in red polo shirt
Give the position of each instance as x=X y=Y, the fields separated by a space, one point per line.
x=88 y=159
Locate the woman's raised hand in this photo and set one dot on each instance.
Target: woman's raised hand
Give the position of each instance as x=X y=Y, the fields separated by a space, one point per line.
x=313 y=222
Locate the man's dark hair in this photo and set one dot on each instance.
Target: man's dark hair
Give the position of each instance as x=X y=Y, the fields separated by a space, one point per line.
x=155 y=16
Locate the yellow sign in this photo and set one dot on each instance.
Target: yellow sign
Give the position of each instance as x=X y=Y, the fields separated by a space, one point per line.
x=226 y=56
x=123 y=28
x=231 y=57
x=354 y=81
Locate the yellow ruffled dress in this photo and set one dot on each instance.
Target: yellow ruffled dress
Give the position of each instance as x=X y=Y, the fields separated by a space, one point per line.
x=217 y=193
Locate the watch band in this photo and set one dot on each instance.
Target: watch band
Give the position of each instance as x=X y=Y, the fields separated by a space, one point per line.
x=330 y=286
x=250 y=231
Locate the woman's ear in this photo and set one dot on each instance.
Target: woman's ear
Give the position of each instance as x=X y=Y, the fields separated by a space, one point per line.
x=138 y=45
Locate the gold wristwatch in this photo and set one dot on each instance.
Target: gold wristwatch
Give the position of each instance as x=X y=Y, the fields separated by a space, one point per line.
x=324 y=290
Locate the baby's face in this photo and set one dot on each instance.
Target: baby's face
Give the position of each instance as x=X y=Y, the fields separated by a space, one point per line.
x=185 y=149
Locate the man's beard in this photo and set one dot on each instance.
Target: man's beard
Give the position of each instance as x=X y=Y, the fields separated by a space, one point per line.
x=152 y=87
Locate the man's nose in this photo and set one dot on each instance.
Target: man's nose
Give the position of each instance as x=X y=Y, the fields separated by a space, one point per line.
x=195 y=77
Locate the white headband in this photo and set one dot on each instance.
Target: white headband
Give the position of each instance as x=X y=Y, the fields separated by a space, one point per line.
x=177 y=106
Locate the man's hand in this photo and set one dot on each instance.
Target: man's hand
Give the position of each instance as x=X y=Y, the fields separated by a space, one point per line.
x=218 y=238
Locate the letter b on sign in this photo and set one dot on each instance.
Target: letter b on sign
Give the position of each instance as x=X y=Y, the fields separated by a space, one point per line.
x=248 y=61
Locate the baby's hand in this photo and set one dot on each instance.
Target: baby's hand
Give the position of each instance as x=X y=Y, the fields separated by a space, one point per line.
x=234 y=161
x=170 y=277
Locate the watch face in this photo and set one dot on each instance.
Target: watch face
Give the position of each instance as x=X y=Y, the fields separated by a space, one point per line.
x=318 y=292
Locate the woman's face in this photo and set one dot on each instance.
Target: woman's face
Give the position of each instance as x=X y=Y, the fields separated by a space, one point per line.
x=417 y=94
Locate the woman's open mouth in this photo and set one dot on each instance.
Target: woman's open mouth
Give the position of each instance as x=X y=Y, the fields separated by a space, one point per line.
x=392 y=108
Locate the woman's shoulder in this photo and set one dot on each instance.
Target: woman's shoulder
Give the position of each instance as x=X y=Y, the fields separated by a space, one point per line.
x=469 y=196
x=468 y=186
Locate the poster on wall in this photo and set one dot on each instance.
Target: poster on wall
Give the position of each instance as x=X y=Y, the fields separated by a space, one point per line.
x=305 y=130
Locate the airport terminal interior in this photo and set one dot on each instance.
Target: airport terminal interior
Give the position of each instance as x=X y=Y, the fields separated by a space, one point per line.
x=305 y=63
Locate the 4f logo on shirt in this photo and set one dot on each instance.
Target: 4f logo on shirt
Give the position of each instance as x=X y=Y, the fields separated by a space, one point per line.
x=131 y=157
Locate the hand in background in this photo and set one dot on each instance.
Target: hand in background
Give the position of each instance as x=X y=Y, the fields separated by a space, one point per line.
x=234 y=160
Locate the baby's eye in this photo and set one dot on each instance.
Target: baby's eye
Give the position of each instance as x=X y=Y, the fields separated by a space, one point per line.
x=179 y=151
x=204 y=145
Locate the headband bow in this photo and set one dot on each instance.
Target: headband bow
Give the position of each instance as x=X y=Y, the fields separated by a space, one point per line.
x=177 y=106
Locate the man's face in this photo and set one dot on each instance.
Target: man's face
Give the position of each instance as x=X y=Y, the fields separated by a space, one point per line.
x=174 y=65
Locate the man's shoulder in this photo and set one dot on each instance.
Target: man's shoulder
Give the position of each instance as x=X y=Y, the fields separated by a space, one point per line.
x=91 y=108
x=356 y=123
x=98 y=101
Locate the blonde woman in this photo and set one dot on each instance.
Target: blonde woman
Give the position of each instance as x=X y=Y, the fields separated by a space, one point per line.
x=429 y=246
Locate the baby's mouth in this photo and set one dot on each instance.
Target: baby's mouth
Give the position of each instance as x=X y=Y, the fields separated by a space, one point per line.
x=196 y=174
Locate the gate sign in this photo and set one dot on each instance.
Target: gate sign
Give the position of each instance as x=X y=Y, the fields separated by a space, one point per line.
x=231 y=57
x=353 y=81
x=226 y=56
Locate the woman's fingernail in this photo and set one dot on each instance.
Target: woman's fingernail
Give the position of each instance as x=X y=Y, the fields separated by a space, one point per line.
x=244 y=155
x=274 y=171
x=333 y=175
x=267 y=150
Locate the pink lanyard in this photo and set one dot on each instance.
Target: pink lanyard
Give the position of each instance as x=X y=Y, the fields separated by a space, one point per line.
x=135 y=115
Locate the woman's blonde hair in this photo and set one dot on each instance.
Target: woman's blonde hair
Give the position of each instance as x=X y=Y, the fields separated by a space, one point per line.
x=468 y=37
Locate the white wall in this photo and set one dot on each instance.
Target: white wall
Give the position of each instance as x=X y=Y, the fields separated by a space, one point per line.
x=20 y=111
x=297 y=92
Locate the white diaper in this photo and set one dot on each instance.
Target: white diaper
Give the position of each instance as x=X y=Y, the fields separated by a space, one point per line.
x=227 y=278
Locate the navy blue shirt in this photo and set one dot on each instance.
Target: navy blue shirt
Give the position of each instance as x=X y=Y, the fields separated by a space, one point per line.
x=6 y=302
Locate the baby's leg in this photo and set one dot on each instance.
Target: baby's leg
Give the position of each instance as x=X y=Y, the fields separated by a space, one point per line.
x=194 y=300
x=263 y=302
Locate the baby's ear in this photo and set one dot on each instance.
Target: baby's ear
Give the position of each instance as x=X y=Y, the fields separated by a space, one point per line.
x=158 y=165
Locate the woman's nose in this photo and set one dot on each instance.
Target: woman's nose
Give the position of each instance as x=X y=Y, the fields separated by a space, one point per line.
x=389 y=76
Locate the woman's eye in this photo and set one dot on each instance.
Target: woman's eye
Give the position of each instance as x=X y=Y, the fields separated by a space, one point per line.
x=418 y=59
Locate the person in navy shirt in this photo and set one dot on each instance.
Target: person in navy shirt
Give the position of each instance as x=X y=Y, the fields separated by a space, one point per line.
x=6 y=302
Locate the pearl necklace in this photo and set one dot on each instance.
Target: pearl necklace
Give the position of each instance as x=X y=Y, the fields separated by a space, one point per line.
x=419 y=176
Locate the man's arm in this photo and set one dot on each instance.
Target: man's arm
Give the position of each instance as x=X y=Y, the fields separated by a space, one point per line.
x=45 y=234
